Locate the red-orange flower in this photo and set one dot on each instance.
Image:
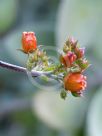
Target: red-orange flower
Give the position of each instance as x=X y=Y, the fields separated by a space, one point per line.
x=68 y=59
x=29 y=42
x=75 y=82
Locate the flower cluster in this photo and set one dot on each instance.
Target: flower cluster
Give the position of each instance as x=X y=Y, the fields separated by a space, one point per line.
x=75 y=64
x=72 y=63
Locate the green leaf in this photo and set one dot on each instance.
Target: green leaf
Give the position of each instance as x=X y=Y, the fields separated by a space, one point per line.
x=75 y=94
x=82 y=64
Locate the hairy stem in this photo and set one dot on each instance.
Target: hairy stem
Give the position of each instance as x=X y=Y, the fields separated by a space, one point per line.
x=22 y=69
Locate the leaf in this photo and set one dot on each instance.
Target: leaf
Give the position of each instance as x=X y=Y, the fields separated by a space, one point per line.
x=83 y=65
x=75 y=94
x=44 y=77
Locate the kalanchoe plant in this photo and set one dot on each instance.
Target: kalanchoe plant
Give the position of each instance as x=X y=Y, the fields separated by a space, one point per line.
x=69 y=71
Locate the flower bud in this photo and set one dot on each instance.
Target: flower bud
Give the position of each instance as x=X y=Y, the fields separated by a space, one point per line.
x=79 y=52
x=65 y=48
x=71 y=42
x=29 y=43
x=75 y=82
x=63 y=94
x=68 y=59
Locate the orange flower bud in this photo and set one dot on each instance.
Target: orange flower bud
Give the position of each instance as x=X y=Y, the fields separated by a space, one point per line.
x=75 y=82
x=29 y=43
x=68 y=59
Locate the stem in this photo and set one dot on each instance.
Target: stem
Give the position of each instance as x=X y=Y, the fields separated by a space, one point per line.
x=12 y=67
x=22 y=69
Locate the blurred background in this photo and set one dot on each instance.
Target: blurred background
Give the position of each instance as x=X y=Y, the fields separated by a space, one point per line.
x=25 y=110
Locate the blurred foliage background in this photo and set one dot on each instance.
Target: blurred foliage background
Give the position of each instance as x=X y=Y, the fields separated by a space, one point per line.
x=24 y=109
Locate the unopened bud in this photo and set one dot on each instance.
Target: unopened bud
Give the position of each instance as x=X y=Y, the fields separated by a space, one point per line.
x=65 y=48
x=63 y=94
x=68 y=59
x=29 y=42
x=79 y=52
x=71 y=42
